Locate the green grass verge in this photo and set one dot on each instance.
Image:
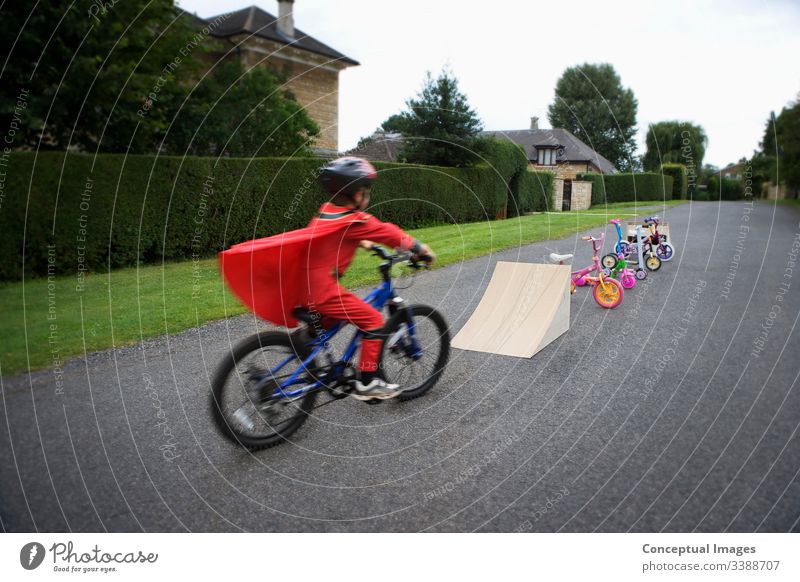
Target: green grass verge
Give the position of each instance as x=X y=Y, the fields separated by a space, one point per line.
x=45 y=321
x=782 y=202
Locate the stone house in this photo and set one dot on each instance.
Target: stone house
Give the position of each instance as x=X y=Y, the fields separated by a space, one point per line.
x=381 y=146
x=311 y=67
x=559 y=151
x=733 y=171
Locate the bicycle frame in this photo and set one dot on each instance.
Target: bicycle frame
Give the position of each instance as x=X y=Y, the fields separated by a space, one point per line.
x=595 y=266
x=618 y=246
x=377 y=298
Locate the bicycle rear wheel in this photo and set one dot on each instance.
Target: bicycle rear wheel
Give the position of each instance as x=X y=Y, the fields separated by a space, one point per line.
x=243 y=404
x=415 y=361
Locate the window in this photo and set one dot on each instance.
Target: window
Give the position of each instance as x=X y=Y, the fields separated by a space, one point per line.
x=547 y=156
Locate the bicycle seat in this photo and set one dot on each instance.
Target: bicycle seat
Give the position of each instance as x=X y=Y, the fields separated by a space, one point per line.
x=556 y=258
x=614 y=221
x=306 y=316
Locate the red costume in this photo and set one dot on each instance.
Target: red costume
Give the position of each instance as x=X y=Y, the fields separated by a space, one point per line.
x=300 y=268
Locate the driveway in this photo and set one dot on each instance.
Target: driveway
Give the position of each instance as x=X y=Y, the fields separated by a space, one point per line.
x=678 y=411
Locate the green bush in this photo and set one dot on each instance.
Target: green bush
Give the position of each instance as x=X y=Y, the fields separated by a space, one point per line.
x=607 y=188
x=679 y=179
x=109 y=211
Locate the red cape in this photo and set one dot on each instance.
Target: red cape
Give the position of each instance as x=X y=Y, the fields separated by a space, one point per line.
x=266 y=274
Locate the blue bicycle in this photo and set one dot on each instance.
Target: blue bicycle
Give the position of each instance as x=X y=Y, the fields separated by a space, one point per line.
x=267 y=386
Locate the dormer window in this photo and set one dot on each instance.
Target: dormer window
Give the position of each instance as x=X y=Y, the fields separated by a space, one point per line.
x=547 y=156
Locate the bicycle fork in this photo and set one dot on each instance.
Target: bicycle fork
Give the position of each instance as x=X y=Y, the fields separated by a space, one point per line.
x=397 y=341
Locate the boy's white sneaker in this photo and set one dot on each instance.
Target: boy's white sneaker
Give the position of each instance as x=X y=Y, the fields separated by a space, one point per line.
x=377 y=388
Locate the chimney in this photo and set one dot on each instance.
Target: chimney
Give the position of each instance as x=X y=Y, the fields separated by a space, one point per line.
x=534 y=122
x=285 y=18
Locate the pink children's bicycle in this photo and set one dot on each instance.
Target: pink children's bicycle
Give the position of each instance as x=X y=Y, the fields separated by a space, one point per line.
x=607 y=291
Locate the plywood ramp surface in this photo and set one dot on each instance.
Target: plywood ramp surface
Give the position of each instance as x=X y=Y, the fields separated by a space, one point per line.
x=525 y=307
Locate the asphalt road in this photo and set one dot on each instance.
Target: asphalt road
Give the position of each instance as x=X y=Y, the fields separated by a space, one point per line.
x=678 y=411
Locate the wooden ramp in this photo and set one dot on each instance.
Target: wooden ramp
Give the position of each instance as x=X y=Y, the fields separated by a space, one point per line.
x=525 y=307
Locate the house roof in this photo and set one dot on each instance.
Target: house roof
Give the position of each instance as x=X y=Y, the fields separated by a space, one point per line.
x=379 y=147
x=255 y=21
x=735 y=166
x=574 y=149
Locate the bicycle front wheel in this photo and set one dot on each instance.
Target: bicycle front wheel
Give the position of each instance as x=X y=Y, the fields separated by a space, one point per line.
x=608 y=293
x=609 y=261
x=415 y=352
x=664 y=251
x=244 y=404
x=653 y=263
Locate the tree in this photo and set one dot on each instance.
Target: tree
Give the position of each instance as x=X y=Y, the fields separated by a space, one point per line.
x=395 y=124
x=781 y=146
x=126 y=78
x=440 y=127
x=674 y=142
x=591 y=102
x=88 y=72
x=240 y=113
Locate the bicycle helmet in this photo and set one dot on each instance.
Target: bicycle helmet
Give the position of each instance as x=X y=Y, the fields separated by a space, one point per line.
x=347 y=175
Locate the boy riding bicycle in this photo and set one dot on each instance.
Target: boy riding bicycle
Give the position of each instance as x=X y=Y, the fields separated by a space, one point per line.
x=348 y=182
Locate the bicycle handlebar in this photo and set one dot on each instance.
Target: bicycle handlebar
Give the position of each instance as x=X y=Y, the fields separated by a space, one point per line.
x=393 y=259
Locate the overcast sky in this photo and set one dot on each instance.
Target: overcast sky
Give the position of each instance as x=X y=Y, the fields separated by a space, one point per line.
x=724 y=65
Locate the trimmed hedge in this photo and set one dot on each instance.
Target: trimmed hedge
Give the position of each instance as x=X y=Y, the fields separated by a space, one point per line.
x=724 y=188
x=535 y=191
x=527 y=191
x=700 y=195
x=679 y=179
x=607 y=188
x=114 y=210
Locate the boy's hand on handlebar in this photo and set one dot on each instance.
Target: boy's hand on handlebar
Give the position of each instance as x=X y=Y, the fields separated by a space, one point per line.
x=426 y=254
x=366 y=244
